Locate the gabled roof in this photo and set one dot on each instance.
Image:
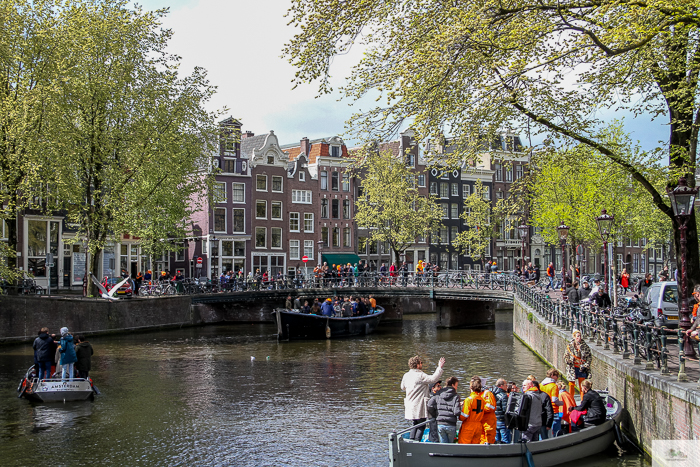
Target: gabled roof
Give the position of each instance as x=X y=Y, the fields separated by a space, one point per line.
x=251 y=143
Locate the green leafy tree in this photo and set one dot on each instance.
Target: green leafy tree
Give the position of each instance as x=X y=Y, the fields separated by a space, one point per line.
x=481 y=229
x=477 y=67
x=390 y=206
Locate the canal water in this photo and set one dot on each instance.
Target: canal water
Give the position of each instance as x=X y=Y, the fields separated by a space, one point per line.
x=233 y=395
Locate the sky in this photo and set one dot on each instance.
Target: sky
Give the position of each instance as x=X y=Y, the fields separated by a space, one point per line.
x=239 y=43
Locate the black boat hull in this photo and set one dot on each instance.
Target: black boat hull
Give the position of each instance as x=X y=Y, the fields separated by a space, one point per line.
x=293 y=325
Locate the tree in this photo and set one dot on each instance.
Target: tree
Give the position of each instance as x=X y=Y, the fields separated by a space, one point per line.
x=481 y=228
x=133 y=142
x=390 y=205
x=477 y=67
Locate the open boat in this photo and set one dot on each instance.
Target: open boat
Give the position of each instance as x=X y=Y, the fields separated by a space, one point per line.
x=563 y=449
x=55 y=390
x=294 y=325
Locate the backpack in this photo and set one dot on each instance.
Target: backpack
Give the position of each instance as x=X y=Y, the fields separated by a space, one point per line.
x=517 y=411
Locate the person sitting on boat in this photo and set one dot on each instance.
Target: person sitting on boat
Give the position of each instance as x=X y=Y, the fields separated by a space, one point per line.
x=488 y=435
x=472 y=414
x=327 y=307
x=306 y=308
x=567 y=401
x=83 y=353
x=417 y=384
x=549 y=386
x=592 y=403
x=447 y=406
x=44 y=351
x=578 y=360
x=501 y=394
x=347 y=308
x=540 y=410
x=68 y=357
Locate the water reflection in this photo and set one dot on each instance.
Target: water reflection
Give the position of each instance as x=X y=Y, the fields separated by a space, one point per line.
x=194 y=396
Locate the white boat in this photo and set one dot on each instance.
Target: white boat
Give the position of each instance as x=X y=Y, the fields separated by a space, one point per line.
x=550 y=452
x=55 y=390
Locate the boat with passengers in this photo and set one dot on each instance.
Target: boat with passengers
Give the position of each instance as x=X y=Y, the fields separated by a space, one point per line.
x=55 y=390
x=563 y=449
x=292 y=324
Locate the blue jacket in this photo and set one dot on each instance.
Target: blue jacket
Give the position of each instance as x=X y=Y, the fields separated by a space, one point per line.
x=327 y=308
x=67 y=350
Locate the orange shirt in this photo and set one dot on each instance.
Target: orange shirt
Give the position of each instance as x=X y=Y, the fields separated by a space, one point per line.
x=568 y=401
x=373 y=302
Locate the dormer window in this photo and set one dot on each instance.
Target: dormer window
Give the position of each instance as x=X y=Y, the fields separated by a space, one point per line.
x=271 y=160
x=302 y=176
x=335 y=151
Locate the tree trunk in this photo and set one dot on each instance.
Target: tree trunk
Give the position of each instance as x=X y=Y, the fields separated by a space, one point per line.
x=93 y=291
x=12 y=260
x=691 y=251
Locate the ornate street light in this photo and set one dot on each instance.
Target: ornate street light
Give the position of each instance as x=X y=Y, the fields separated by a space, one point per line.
x=682 y=201
x=605 y=222
x=563 y=230
x=523 y=229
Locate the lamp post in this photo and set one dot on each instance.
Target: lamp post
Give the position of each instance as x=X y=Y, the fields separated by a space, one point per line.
x=605 y=222
x=523 y=229
x=563 y=230
x=682 y=201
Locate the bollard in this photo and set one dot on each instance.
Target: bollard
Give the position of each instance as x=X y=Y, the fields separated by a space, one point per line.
x=664 y=353
x=635 y=344
x=599 y=333
x=616 y=336
x=606 y=340
x=650 y=363
x=682 y=377
x=625 y=343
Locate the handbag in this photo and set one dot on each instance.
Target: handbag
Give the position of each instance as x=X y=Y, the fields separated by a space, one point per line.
x=579 y=373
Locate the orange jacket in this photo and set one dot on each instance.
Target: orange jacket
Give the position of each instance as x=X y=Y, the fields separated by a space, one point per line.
x=473 y=408
x=552 y=390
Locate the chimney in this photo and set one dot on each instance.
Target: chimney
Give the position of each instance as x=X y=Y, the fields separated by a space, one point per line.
x=247 y=134
x=304 y=145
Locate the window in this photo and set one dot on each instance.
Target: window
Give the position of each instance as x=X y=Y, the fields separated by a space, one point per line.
x=301 y=196
x=443 y=235
x=499 y=195
x=497 y=174
x=228 y=166
x=276 y=210
x=324 y=180
x=309 y=248
x=336 y=237
x=334 y=181
x=261 y=209
x=466 y=191
x=335 y=151
x=509 y=174
x=324 y=208
x=260 y=237
x=433 y=188
x=239 y=220
x=346 y=237
x=362 y=245
x=445 y=210
x=487 y=193
x=219 y=219
x=453 y=234
x=276 y=237
x=324 y=236
x=444 y=190
x=346 y=209
x=302 y=176
x=372 y=247
x=410 y=160
x=294 y=222
x=455 y=189
x=238 y=192
x=454 y=208
x=518 y=172
x=294 y=249
x=346 y=182
x=277 y=183
x=455 y=261
x=261 y=182
x=335 y=209
x=421 y=180
x=220 y=192
x=309 y=222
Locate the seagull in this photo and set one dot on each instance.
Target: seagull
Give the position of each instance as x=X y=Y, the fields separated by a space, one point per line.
x=108 y=295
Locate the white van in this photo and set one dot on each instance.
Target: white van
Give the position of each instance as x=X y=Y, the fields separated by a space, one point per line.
x=662 y=298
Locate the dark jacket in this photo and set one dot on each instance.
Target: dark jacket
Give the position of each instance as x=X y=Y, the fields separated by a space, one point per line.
x=572 y=295
x=593 y=403
x=447 y=406
x=501 y=404
x=44 y=348
x=67 y=350
x=541 y=413
x=83 y=352
x=602 y=299
x=583 y=293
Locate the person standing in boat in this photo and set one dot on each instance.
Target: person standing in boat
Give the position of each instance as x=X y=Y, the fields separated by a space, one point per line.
x=68 y=357
x=488 y=435
x=472 y=414
x=541 y=414
x=347 y=308
x=447 y=406
x=549 y=385
x=83 y=353
x=44 y=351
x=327 y=308
x=501 y=394
x=417 y=386
x=578 y=360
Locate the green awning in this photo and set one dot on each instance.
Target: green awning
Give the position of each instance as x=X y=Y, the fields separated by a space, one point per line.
x=340 y=258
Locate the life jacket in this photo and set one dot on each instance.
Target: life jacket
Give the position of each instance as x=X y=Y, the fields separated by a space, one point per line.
x=552 y=391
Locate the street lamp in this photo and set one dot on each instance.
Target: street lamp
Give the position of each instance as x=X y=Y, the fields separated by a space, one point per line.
x=320 y=252
x=523 y=234
x=563 y=230
x=682 y=201
x=605 y=222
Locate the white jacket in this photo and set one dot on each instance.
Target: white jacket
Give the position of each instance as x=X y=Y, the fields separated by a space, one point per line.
x=417 y=386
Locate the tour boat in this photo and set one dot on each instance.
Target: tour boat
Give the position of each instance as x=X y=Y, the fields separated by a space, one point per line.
x=55 y=390
x=295 y=325
x=563 y=449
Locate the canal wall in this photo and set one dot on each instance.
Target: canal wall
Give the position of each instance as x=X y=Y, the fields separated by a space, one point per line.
x=657 y=407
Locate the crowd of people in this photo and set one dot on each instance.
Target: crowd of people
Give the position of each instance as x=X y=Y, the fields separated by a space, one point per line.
x=54 y=355
x=486 y=414
x=345 y=307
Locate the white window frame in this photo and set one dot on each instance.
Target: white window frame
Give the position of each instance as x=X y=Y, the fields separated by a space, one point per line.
x=225 y=220
x=272 y=186
x=294 y=246
x=220 y=190
x=272 y=229
x=258 y=201
x=233 y=228
x=291 y=216
x=421 y=180
x=454 y=211
x=309 y=248
x=233 y=190
x=255 y=239
x=302 y=196
x=311 y=220
x=466 y=191
x=302 y=176
x=259 y=176
x=281 y=216
x=455 y=189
